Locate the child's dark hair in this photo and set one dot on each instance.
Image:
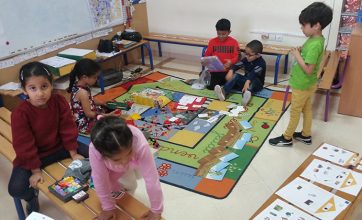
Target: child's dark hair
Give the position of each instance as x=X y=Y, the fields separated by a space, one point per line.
x=317 y=12
x=34 y=69
x=256 y=46
x=110 y=135
x=223 y=25
x=83 y=67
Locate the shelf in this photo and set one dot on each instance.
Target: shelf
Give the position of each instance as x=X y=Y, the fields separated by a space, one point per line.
x=345 y=30
x=349 y=14
x=341 y=48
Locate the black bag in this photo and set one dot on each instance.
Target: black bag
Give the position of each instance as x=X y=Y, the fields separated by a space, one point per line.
x=105 y=46
x=132 y=36
x=111 y=76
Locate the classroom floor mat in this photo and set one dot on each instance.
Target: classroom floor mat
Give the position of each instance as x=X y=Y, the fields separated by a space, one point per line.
x=204 y=145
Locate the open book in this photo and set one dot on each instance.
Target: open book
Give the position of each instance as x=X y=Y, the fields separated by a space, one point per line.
x=213 y=64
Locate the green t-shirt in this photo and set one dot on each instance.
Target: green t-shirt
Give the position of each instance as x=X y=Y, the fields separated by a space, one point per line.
x=312 y=53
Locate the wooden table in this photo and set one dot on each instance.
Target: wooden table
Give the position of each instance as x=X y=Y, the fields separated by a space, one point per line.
x=268 y=49
x=347 y=213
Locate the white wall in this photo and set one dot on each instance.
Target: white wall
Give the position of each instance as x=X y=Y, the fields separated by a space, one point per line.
x=198 y=18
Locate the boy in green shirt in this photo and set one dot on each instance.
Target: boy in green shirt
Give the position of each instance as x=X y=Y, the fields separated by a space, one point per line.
x=303 y=79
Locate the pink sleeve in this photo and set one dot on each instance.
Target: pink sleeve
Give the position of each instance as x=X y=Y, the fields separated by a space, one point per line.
x=149 y=172
x=101 y=179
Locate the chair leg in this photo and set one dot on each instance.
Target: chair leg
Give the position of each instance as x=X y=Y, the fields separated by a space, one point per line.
x=276 y=70
x=19 y=209
x=285 y=97
x=326 y=109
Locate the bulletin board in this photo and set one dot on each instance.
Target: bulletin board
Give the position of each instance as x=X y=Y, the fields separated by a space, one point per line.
x=29 y=24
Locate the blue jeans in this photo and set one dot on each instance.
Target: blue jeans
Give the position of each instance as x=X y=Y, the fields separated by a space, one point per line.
x=19 y=181
x=238 y=81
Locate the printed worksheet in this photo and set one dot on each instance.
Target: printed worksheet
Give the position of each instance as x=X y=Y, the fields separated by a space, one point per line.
x=280 y=210
x=334 y=176
x=313 y=199
x=334 y=154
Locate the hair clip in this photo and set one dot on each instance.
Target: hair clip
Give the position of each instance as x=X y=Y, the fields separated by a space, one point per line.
x=21 y=76
x=47 y=71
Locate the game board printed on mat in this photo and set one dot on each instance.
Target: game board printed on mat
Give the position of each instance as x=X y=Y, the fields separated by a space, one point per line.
x=191 y=143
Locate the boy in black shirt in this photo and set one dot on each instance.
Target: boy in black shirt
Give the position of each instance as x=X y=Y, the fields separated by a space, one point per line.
x=253 y=80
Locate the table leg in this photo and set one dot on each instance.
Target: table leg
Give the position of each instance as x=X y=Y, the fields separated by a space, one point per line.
x=149 y=54
x=286 y=63
x=159 y=49
x=277 y=61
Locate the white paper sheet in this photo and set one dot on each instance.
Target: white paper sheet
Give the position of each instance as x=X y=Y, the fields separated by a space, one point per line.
x=312 y=199
x=334 y=176
x=334 y=154
x=281 y=210
x=57 y=62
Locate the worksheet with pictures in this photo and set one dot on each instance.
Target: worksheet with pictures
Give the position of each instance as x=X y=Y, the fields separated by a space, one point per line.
x=281 y=210
x=313 y=199
x=334 y=176
x=334 y=154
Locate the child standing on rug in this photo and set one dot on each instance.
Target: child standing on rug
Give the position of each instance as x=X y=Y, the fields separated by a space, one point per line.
x=225 y=48
x=38 y=141
x=84 y=107
x=116 y=151
x=253 y=80
x=303 y=80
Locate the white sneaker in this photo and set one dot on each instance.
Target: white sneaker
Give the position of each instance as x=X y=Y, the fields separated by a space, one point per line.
x=219 y=93
x=246 y=97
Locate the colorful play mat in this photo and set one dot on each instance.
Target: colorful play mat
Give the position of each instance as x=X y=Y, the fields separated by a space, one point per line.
x=204 y=145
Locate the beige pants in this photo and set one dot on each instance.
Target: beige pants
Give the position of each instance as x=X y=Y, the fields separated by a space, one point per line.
x=301 y=103
x=129 y=180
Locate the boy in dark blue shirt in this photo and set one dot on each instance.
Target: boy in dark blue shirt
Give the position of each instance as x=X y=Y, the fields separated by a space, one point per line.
x=253 y=80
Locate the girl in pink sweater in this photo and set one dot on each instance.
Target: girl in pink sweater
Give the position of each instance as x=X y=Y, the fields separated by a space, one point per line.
x=117 y=149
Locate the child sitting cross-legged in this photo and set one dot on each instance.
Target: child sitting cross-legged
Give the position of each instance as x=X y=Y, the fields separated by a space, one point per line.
x=253 y=80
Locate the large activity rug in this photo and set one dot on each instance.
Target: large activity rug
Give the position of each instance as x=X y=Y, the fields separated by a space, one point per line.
x=204 y=145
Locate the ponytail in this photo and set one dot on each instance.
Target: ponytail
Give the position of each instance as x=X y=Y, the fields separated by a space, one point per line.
x=72 y=79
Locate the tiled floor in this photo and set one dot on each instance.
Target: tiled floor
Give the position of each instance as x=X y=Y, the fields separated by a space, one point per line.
x=268 y=170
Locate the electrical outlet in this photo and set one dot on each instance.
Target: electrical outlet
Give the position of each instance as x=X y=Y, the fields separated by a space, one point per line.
x=265 y=36
x=272 y=37
x=279 y=37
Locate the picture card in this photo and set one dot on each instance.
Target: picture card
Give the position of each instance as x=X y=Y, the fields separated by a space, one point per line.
x=281 y=210
x=216 y=175
x=220 y=166
x=334 y=176
x=245 y=124
x=229 y=157
x=334 y=154
x=313 y=199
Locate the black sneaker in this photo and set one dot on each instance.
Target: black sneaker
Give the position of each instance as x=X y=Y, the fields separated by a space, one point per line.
x=280 y=141
x=33 y=204
x=305 y=140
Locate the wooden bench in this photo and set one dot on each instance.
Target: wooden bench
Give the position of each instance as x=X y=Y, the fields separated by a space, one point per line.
x=128 y=207
x=328 y=68
x=346 y=214
x=274 y=50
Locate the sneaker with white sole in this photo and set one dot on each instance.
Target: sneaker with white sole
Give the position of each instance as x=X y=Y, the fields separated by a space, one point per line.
x=304 y=139
x=219 y=93
x=246 y=97
x=281 y=142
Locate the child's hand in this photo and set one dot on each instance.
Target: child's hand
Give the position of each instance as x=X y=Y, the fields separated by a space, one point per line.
x=116 y=112
x=77 y=157
x=295 y=51
x=151 y=216
x=107 y=215
x=229 y=75
x=246 y=86
x=227 y=65
x=35 y=178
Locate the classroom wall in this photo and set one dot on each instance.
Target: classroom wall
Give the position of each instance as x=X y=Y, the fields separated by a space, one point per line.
x=198 y=18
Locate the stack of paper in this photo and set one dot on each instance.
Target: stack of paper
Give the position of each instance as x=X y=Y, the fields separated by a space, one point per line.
x=78 y=54
x=59 y=66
